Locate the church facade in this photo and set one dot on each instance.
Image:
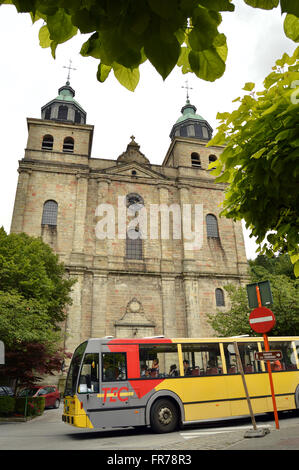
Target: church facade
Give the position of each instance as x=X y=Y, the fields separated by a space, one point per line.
x=145 y=242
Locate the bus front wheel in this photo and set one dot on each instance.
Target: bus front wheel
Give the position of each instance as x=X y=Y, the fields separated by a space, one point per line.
x=164 y=416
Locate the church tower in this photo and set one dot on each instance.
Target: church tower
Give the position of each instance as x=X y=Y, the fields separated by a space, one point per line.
x=137 y=280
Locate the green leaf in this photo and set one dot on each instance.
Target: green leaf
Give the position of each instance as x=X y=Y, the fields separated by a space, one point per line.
x=271 y=109
x=53 y=49
x=272 y=78
x=162 y=55
x=296 y=269
x=217 y=5
x=23 y=6
x=92 y=47
x=126 y=77
x=103 y=72
x=204 y=30
x=183 y=60
x=294 y=258
x=289 y=6
x=283 y=135
x=207 y=64
x=60 y=27
x=85 y=20
x=224 y=178
x=249 y=86
x=259 y=153
x=264 y=4
x=44 y=37
x=165 y=9
x=222 y=116
x=291 y=27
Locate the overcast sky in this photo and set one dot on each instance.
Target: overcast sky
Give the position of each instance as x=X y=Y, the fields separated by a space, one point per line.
x=30 y=78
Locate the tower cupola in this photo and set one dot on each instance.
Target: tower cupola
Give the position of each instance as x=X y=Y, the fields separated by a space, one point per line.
x=191 y=124
x=64 y=108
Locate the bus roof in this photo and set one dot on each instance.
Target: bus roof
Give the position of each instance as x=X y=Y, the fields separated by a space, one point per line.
x=162 y=339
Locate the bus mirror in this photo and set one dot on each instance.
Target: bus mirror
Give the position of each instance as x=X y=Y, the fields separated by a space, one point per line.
x=83 y=388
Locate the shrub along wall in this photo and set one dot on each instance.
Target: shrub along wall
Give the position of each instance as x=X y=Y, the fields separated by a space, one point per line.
x=33 y=406
x=7 y=406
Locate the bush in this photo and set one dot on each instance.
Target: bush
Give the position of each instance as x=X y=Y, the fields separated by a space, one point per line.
x=7 y=405
x=35 y=406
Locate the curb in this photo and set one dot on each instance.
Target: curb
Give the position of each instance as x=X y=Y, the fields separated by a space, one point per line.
x=17 y=419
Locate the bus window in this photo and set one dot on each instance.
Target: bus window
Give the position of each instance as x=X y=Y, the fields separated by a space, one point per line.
x=202 y=359
x=288 y=361
x=114 y=366
x=89 y=376
x=72 y=376
x=246 y=350
x=158 y=360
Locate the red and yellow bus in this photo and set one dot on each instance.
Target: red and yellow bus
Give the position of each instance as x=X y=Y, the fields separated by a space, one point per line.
x=165 y=383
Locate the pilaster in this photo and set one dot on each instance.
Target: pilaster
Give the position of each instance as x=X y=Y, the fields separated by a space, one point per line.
x=168 y=305
x=73 y=322
x=99 y=305
x=191 y=290
x=80 y=214
x=17 y=223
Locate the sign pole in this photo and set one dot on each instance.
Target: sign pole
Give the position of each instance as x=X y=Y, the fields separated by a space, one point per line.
x=267 y=348
x=245 y=385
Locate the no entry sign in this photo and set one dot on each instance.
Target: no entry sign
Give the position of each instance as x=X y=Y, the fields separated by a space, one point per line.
x=261 y=320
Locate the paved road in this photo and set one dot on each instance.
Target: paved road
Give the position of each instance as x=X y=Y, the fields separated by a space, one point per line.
x=48 y=432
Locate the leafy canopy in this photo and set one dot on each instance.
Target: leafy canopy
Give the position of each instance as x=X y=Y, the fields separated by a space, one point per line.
x=125 y=33
x=285 y=291
x=260 y=160
x=33 y=296
x=29 y=269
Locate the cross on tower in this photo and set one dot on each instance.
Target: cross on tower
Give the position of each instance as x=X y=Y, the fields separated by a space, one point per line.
x=69 y=69
x=187 y=88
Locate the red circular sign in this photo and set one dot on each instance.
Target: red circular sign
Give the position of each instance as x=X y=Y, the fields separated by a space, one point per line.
x=261 y=320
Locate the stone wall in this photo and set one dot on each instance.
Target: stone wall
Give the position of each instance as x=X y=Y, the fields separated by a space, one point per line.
x=171 y=290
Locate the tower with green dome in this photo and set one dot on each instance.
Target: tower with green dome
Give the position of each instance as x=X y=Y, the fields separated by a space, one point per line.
x=64 y=107
x=191 y=124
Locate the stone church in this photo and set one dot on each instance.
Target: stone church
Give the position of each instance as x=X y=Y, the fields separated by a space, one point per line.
x=140 y=281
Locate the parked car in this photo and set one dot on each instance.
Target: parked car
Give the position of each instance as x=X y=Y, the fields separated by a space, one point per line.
x=6 y=391
x=49 y=392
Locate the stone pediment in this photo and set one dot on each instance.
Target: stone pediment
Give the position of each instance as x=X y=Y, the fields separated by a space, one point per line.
x=134 y=169
x=133 y=154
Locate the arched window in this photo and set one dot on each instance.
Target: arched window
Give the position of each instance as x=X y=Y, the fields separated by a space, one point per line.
x=212 y=226
x=195 y=160
x=50 y=213
x=212 y=158
x=219 y=298
x=47 y=143
x=68 y=145
x=134 y=198
x=134 y=244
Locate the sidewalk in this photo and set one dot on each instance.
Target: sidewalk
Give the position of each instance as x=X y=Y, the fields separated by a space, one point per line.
x=285 y=438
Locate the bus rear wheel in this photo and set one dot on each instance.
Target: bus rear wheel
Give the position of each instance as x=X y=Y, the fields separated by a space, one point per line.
x=164 y=416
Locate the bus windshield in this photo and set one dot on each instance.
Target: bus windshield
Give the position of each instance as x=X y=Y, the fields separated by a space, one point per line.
x=71 y=381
